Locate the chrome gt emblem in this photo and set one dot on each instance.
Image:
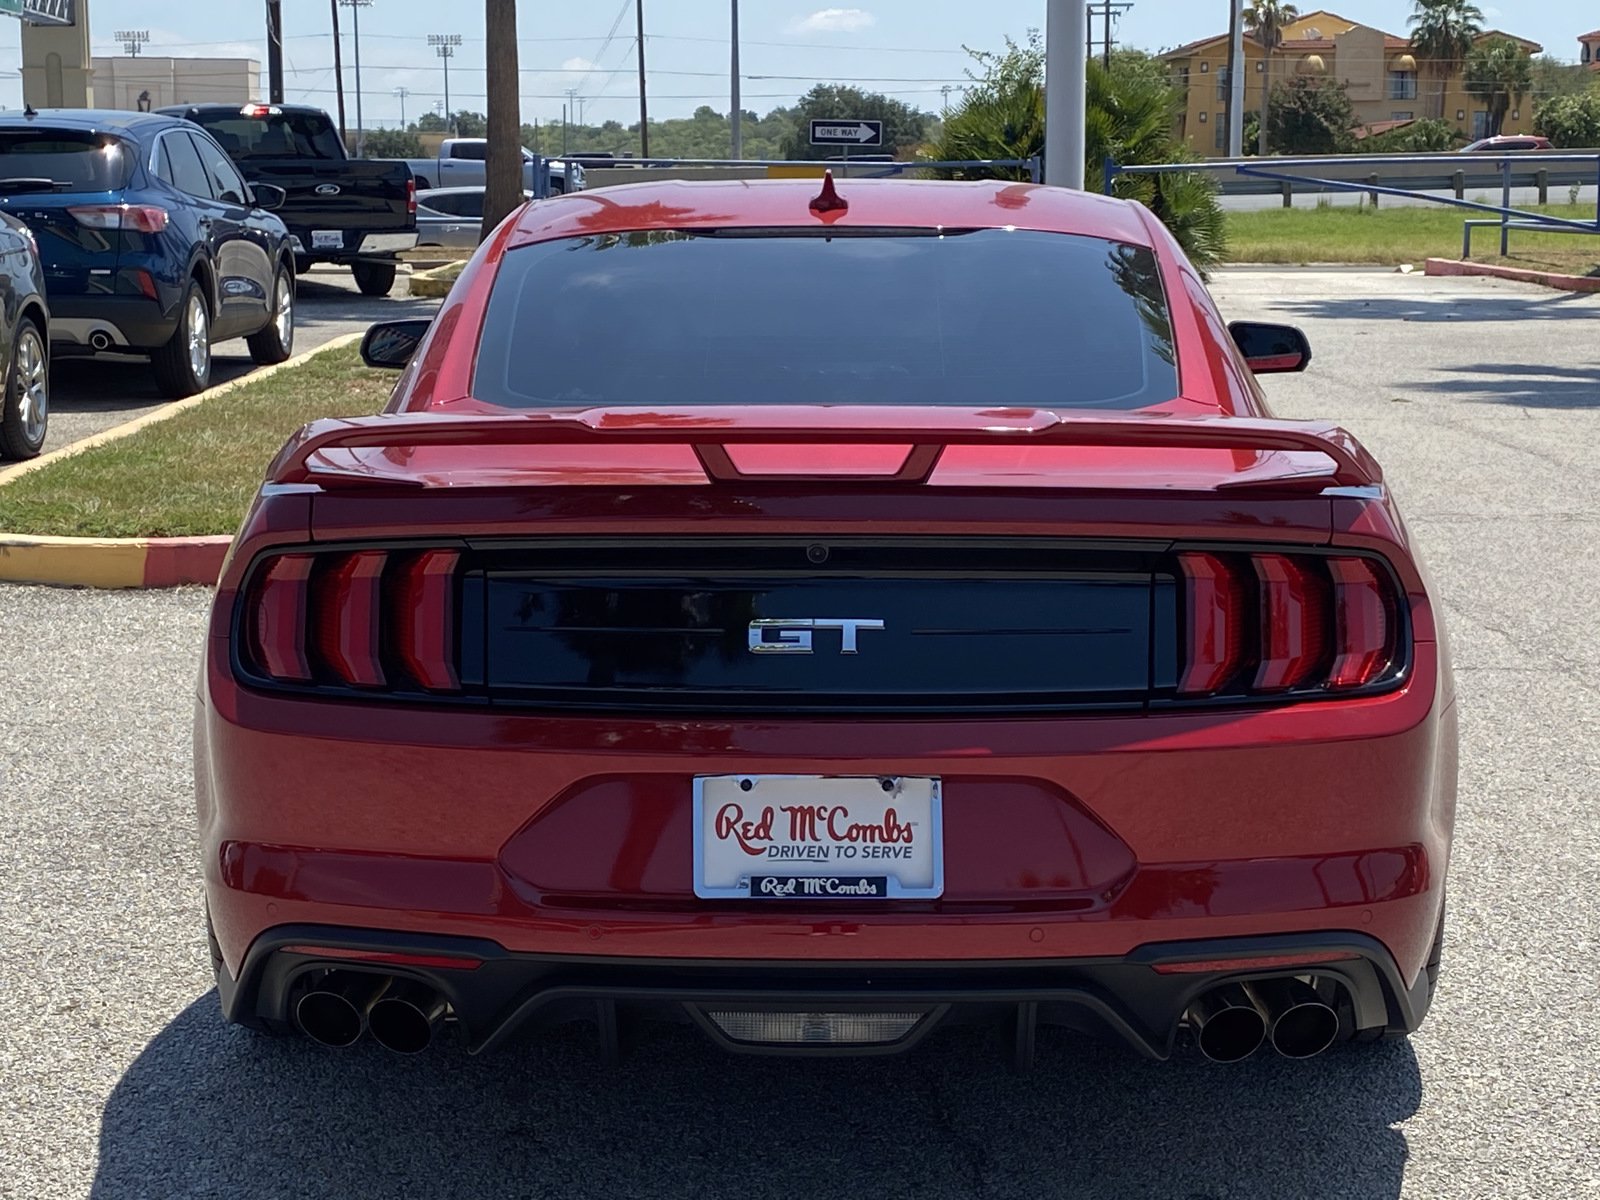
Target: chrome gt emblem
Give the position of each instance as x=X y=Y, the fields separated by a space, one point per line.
x=794 y=636
x=328 y=189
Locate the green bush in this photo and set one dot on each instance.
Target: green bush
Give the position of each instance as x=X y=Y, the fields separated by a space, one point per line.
x=1570 y=122
x=1427 y=136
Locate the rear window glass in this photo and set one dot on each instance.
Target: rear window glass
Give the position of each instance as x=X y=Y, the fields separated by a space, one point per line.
x=77 y=161
x=870 y=317
x=278 y=135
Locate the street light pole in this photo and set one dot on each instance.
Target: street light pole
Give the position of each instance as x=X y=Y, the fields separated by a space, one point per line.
x=644 y=109
x=355 y=7
x=1236 y=65
x=1065 y=93
x=734 y=116
x=402 y=93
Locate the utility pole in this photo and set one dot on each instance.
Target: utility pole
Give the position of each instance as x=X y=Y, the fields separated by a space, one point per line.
x=402 y=92
x=1236 y=80
x=944 y=94
x=275 y=51
x=444 y=45
x=644 y=109
x=1109 y=11
x=1066 y=78
x=338 y=73
x=355 y=7
x=734 y=115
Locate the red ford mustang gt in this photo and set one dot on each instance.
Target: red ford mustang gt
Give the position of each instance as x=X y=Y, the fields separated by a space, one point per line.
x=825 y=617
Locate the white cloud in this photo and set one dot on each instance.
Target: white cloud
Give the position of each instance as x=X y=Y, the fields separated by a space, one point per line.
x=834 y=20
x=577 y=64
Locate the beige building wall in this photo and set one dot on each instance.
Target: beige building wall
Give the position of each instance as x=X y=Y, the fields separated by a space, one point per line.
x=120 y=81
x=55 y=64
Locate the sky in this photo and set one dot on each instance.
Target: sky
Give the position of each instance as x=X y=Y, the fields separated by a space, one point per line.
x=908 y=48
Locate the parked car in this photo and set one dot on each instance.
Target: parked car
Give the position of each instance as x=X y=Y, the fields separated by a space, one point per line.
x=463 y=162
x=1506 y=142
x=350 y=212
x=24 y=338
x=709 y=632
x=451 y=218
x=152 y=243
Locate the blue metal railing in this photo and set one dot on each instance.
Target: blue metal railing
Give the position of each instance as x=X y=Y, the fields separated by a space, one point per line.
x=1284 y=170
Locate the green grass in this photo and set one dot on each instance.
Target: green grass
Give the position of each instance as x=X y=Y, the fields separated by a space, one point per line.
x=195 y=473
x=1388 y=236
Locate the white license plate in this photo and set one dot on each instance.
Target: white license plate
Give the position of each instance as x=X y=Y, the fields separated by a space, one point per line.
x=815 y=837
x=327 y=239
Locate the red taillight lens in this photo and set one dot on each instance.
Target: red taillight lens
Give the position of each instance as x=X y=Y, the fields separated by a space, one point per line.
x=278 y=619
x=347 y=612
x=411 y=196
x=1214 y=604
x=1257 y=624
x=1363 y=623
x=424 y=619
x=364 y=618
x=136 y=218
x=1294 y=621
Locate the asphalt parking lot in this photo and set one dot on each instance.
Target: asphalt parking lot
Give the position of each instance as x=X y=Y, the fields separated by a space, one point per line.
x=91 y=394
x=118 y=1079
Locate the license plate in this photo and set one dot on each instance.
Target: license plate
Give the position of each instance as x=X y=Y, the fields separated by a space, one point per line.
x=327 y=239
x=815 y=837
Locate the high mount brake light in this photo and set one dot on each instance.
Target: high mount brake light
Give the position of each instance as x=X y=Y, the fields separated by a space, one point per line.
x=133 y=218
x=372 y=619
x=1264 y=624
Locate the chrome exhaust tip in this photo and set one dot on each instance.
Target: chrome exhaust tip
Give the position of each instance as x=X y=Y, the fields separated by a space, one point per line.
x=404 y=1016
x=100 y=340
x=1302 y=1024
x=1228 y=1024
x=331 y=1015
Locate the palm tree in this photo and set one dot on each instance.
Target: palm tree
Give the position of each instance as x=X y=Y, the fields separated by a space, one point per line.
x=1501 y=72
x=1442 y=34
x=1265 y=20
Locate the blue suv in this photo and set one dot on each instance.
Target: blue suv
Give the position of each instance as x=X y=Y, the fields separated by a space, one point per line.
x=152 y=242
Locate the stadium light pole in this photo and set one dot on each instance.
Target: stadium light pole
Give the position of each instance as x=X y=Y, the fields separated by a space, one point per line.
x=444 y=45
x=1065 y=93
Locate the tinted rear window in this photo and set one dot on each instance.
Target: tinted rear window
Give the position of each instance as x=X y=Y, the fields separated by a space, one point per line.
x=768 y=317
x=279 y=135
x=79 y=160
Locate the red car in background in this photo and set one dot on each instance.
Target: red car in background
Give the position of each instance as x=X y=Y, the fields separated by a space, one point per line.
x=823 y=617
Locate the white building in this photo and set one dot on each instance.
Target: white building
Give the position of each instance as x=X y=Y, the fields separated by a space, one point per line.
x=149 y=82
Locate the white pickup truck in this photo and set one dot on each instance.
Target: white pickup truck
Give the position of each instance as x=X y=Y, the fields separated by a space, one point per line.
x=462 y=162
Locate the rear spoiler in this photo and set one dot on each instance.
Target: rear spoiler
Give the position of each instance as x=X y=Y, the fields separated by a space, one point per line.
x=710 y=430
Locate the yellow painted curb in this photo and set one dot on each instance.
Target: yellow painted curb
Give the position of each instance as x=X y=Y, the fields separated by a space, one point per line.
x=164 y=413
x=73 y=562
x=436 y=283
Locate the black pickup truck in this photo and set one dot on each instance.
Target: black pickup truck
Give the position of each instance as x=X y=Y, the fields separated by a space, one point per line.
x=339 y=209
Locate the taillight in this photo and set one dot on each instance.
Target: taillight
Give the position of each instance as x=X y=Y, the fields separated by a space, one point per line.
x=366 y=618
x=1272 y=623
x=411 y=196
x=135 y=218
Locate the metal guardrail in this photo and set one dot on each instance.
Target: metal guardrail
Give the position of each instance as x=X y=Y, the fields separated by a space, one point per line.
x=1507 y=169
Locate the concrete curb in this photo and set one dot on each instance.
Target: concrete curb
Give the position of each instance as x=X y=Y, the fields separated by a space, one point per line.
x=111 y=562
x=435 y=284
x=1549 y=279
x=127 y=562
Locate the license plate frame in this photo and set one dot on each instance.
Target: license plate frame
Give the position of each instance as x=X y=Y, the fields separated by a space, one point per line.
x=327 y=239
x=916 y=802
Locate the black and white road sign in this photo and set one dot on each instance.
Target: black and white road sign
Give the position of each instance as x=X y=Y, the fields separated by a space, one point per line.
x=847 y=133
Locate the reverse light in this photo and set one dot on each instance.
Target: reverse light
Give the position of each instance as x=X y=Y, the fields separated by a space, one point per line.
x=132 y=218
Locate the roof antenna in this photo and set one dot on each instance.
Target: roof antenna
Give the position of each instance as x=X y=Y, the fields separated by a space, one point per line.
x=29 y=111
x=828 y=199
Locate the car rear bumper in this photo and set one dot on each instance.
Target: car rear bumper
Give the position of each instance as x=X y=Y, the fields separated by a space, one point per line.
x=356 y=246
x=1140 y=998
x=80 y=323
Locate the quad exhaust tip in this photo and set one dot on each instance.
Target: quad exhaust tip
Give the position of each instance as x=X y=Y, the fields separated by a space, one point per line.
x=1228 y=1024
x=1303 y=1025
x=333 y=1014
x=404 y=1016
x=1231 y=1022
x=401 y=1015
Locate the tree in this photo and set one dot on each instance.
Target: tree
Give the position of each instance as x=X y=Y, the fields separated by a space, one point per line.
x=1501 y=72
x=1570 y=122
x=1552 y=78
x=502 y=192
x=1426 y=136
x=1442 y=34
x=1264 y=20
x=904 y=127
x=1312 y=115
x=393 y=143
x=431 y=122
x=1129 y=119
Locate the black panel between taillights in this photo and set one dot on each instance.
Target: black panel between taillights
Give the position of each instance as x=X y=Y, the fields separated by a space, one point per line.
x=979 y=627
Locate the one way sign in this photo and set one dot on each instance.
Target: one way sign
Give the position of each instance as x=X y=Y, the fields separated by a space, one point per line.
x=847 y=133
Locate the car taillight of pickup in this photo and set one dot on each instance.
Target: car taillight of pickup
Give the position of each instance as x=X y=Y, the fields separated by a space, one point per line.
x=359 y=213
